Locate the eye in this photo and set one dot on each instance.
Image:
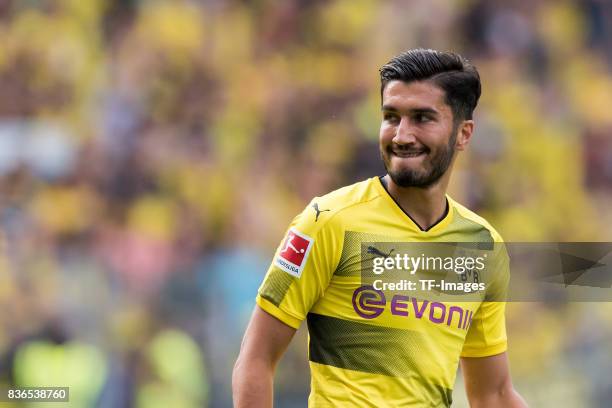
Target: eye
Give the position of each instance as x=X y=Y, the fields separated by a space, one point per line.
x=422 y=118
x=390 y=117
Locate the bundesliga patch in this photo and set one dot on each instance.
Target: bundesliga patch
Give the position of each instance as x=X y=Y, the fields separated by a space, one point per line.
x=294 y=253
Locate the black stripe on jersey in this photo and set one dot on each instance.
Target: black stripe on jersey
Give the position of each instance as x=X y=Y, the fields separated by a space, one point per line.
x=478 y=232
x=276 y=286
x=371 y=349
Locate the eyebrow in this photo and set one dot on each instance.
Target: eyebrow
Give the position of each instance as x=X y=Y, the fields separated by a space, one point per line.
x=388 y=108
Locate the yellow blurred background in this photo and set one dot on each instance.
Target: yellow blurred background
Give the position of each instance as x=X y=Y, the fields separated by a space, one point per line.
x=152 y=154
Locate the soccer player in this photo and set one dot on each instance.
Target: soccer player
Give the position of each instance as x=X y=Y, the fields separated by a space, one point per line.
x=364 y=350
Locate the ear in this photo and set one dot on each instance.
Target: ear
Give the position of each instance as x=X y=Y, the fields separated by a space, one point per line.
x=464 y=134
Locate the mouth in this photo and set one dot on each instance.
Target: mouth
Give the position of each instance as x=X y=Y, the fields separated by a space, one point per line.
x=408 y=153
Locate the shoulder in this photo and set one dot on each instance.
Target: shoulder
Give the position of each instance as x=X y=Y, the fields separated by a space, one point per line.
x=326 y=211
x=348 y=196
x=469 y=216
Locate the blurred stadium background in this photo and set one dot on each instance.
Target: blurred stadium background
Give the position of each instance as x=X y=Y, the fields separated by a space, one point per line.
x=152 y=154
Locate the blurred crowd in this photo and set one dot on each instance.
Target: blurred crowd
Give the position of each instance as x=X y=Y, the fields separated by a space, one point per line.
x=152 y=154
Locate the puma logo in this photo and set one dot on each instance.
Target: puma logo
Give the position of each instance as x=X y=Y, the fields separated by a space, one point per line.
x=316 y=208
x=376 y=251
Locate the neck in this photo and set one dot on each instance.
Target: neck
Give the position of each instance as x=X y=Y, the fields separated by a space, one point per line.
x=426 y=206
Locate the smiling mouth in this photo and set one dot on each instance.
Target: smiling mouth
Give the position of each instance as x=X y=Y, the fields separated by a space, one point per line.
x=408 y=153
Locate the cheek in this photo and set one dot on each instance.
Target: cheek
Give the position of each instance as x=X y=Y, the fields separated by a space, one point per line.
x=436 y=134
x=386 y=133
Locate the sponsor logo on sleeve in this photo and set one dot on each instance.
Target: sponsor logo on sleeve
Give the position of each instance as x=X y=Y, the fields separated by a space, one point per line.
x=294 y=252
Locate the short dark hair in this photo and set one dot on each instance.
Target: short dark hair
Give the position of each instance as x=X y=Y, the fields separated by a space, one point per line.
x=451 y=72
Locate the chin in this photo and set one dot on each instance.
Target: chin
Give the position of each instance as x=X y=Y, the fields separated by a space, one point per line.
x=418 y=171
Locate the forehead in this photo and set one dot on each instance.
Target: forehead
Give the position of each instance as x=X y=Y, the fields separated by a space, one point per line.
x=413 y=95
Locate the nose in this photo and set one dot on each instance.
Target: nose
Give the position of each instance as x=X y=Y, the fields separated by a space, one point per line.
x=405 y=133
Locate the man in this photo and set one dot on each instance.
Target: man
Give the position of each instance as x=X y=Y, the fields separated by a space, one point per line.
x=364 y=350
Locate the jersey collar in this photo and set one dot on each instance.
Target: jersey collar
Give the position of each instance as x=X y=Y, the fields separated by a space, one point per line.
x=437 y=226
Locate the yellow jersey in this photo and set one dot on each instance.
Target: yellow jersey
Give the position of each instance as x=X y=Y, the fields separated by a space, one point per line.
x=367 y=349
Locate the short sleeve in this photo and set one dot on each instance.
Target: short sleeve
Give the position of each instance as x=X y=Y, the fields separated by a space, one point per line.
x=302 y=267
x=487 y=333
